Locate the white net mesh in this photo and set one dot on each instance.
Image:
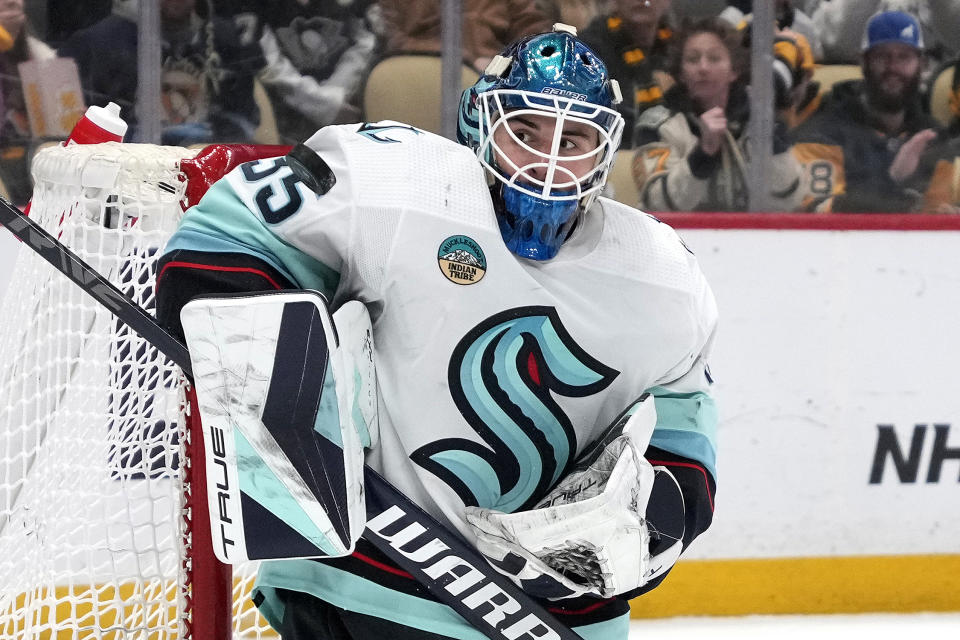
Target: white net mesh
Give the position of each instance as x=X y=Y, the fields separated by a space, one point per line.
x=91 y=424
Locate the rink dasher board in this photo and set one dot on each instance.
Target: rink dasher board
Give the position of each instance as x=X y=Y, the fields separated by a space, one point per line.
x=830 y=326
x=826 y=339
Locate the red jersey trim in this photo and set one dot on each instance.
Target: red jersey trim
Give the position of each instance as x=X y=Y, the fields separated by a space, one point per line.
x=209 y=267
x=379 y=565
x=689 y=465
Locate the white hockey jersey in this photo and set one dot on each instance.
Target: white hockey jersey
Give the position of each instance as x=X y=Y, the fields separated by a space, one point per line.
x=494 y=371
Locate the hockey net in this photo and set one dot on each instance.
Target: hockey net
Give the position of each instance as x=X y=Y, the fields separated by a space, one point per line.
x=99 y=534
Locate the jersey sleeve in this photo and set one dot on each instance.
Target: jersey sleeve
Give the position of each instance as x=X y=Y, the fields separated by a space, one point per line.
x=687 y=415
x=263 y=210
x=259 y=228
x=670 y=171
x=684 y=439
x=686 y=411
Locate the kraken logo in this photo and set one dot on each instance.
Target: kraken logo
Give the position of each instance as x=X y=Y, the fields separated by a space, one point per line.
x=502 y=376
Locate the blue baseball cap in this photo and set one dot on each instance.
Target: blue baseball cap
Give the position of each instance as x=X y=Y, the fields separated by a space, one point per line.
x=892 y=26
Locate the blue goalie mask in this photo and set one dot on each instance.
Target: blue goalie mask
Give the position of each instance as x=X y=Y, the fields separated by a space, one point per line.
x=542 y=121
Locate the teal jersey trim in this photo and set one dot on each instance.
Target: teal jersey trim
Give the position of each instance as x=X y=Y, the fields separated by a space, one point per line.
x=615 y=629
x=221 y=223
x=686 y=426
x=347 y=591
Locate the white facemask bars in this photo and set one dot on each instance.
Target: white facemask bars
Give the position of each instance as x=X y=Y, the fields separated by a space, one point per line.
x=498 y=108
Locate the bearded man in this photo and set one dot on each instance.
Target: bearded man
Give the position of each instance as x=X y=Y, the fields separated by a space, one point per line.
x=864 y=150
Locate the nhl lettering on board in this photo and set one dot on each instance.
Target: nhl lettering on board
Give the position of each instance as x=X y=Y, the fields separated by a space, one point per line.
x=906 y=455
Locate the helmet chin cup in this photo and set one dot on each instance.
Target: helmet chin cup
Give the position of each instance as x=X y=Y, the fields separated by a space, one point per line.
x=532 y=227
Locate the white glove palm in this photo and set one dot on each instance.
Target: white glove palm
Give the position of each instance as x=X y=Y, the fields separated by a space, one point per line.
x=589 y=536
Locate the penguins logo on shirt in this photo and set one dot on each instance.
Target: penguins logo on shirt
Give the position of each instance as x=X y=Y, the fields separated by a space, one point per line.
x=461 y=260
x=503 y=376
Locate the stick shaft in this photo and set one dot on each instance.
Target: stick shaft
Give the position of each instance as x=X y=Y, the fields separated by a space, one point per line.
x=101 y=289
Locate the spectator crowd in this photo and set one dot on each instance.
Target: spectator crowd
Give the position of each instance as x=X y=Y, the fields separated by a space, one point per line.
x=867 y=97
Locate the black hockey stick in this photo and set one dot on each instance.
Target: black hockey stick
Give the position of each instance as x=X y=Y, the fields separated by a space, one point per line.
x=453 y=571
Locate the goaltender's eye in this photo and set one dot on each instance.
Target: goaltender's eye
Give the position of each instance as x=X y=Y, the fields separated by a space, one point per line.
x=523 y=135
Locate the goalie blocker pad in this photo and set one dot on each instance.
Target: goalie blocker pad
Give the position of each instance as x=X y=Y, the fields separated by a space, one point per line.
x=287 y=397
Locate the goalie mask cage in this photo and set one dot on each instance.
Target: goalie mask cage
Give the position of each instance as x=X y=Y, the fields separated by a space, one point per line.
x=99 y=537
